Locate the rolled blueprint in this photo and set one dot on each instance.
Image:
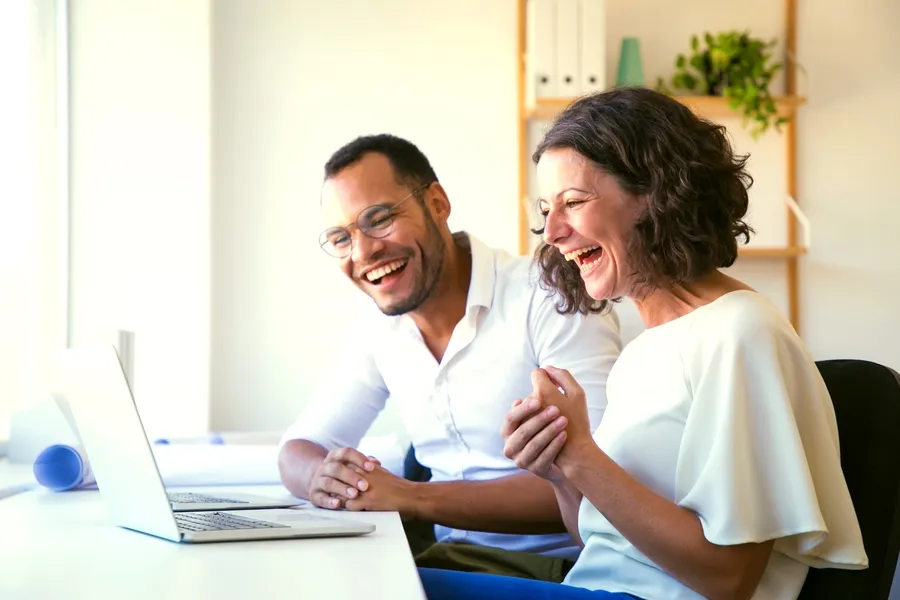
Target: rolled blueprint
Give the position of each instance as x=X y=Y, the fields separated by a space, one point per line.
x=61 y=468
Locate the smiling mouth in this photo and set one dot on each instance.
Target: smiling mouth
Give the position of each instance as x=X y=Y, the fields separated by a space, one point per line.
x=386 y=273
x=585 y=258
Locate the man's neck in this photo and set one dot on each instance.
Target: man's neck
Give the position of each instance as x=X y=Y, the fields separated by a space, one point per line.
x=438 y=316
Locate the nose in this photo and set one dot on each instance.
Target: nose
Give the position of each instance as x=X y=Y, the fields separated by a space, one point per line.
x=555 y=228
x=364 y=247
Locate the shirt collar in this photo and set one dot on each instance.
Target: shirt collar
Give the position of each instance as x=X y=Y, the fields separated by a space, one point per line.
x=481 y=284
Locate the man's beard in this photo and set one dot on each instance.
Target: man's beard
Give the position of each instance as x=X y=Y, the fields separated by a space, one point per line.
x=432 y=264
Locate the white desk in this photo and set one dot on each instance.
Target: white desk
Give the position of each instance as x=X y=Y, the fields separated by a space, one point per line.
x=60 y=545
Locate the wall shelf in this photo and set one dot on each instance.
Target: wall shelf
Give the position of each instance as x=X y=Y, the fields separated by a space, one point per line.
x=711 y=107
x=786 y=252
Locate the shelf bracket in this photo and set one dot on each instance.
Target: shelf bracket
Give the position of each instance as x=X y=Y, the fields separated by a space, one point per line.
x=801 y=218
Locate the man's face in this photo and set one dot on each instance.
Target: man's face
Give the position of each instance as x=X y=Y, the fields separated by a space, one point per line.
x=400 y=270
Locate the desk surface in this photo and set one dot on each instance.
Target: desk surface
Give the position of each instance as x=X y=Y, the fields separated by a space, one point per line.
x=60 y=545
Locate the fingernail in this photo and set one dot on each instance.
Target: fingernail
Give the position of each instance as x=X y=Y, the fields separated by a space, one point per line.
x=362 y=485
x=552 y=411
x=334 y=501
x=561 y=422
x=368 y=466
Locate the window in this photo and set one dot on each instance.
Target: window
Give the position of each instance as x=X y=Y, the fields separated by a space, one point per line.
x=33 y=199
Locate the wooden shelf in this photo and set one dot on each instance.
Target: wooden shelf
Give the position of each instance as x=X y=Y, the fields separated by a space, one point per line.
x=785 y=252
x=707 y=106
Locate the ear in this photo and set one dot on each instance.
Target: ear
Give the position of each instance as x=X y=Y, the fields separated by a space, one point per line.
x=438 y=203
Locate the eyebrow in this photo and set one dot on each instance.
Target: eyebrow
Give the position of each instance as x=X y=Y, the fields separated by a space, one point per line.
x=573 y=189
x=568 y=189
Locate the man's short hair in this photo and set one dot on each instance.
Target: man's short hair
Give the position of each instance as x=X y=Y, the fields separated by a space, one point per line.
x=410 y=165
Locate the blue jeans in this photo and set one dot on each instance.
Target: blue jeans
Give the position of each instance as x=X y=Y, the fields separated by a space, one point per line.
x=458 y=585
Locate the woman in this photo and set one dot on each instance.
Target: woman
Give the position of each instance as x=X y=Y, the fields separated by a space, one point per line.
x=715 y=472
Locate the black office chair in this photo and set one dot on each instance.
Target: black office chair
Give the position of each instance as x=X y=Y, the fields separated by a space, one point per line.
x=866 y=400
x=412 y=470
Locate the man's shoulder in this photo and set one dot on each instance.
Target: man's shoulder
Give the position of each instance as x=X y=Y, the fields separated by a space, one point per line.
x=517 y=272
x=519 y=281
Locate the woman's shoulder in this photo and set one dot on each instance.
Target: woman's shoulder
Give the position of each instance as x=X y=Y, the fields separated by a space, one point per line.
x=741 y=315
x=744 y=330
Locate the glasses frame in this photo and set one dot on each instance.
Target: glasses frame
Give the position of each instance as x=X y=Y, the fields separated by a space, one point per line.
x=391 y=208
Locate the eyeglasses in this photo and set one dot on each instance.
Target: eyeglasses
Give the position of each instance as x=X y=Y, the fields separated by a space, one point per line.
x=376 y=221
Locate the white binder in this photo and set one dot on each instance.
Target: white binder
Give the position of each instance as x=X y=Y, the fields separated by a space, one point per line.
x=541 y=48
x=593 y=45
x=568 y=66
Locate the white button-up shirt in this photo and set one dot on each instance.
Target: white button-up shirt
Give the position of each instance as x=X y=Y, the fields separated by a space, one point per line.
x=453 y=410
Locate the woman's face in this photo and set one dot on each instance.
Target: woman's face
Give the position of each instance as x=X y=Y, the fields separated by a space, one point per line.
x=589 y=219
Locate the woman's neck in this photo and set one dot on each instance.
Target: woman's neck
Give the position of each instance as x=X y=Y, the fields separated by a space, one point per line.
x=662 y=305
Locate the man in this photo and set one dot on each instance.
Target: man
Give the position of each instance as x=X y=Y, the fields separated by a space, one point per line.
x=458 y=331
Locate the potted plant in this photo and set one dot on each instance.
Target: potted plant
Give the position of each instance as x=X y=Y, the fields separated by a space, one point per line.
x=735 y=66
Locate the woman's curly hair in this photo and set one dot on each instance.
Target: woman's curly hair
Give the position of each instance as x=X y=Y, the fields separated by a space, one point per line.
x=694 y=184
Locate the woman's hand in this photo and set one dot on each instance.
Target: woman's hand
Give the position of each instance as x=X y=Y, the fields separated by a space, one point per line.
x=571 y=404
x=534 y=436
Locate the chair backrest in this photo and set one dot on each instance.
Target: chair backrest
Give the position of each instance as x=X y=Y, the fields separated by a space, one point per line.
x=412 y=470
x=866 y=399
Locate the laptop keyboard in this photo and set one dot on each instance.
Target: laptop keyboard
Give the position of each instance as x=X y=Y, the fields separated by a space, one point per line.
x=192 y=498
x=219 y=521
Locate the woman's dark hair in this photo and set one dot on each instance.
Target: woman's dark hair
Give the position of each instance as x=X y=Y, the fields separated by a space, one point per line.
x=694 y=184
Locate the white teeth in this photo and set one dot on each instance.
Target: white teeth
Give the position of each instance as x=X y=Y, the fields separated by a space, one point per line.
x=575 y=253
x=382 y=271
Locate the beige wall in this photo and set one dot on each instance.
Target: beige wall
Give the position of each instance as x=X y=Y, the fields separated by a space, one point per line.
x=293 y=83
x=849 y=151
x=140 y=203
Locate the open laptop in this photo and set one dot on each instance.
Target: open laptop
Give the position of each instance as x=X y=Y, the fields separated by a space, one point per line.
x=91 y=388
x=101 y=366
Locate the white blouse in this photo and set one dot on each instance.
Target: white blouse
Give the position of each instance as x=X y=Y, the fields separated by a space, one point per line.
x=724 y=412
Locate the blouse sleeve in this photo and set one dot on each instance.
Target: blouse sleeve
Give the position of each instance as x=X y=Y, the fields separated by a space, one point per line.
x=760 y=458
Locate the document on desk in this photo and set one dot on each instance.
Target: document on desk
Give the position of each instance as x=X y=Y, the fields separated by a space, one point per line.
x=214 y=464
x=63 y=467
x=178 y=464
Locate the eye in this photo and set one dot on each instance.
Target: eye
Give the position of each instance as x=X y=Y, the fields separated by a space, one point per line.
x=574 y=202
x=338 y=238
x=376 y=218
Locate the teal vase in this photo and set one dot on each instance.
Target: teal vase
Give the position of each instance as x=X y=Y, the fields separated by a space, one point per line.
x=631 y=72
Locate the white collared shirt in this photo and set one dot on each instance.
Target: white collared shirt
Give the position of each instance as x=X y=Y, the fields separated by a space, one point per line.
x=453 y=410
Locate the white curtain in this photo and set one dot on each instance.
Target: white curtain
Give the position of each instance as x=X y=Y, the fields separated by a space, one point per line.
x=33 y=199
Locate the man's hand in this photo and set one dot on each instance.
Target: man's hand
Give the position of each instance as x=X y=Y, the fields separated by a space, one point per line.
x=386 y=491
x=341 y=477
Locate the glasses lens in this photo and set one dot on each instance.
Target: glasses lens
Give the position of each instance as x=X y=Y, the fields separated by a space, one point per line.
x=336 y=241
x=376 y=221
